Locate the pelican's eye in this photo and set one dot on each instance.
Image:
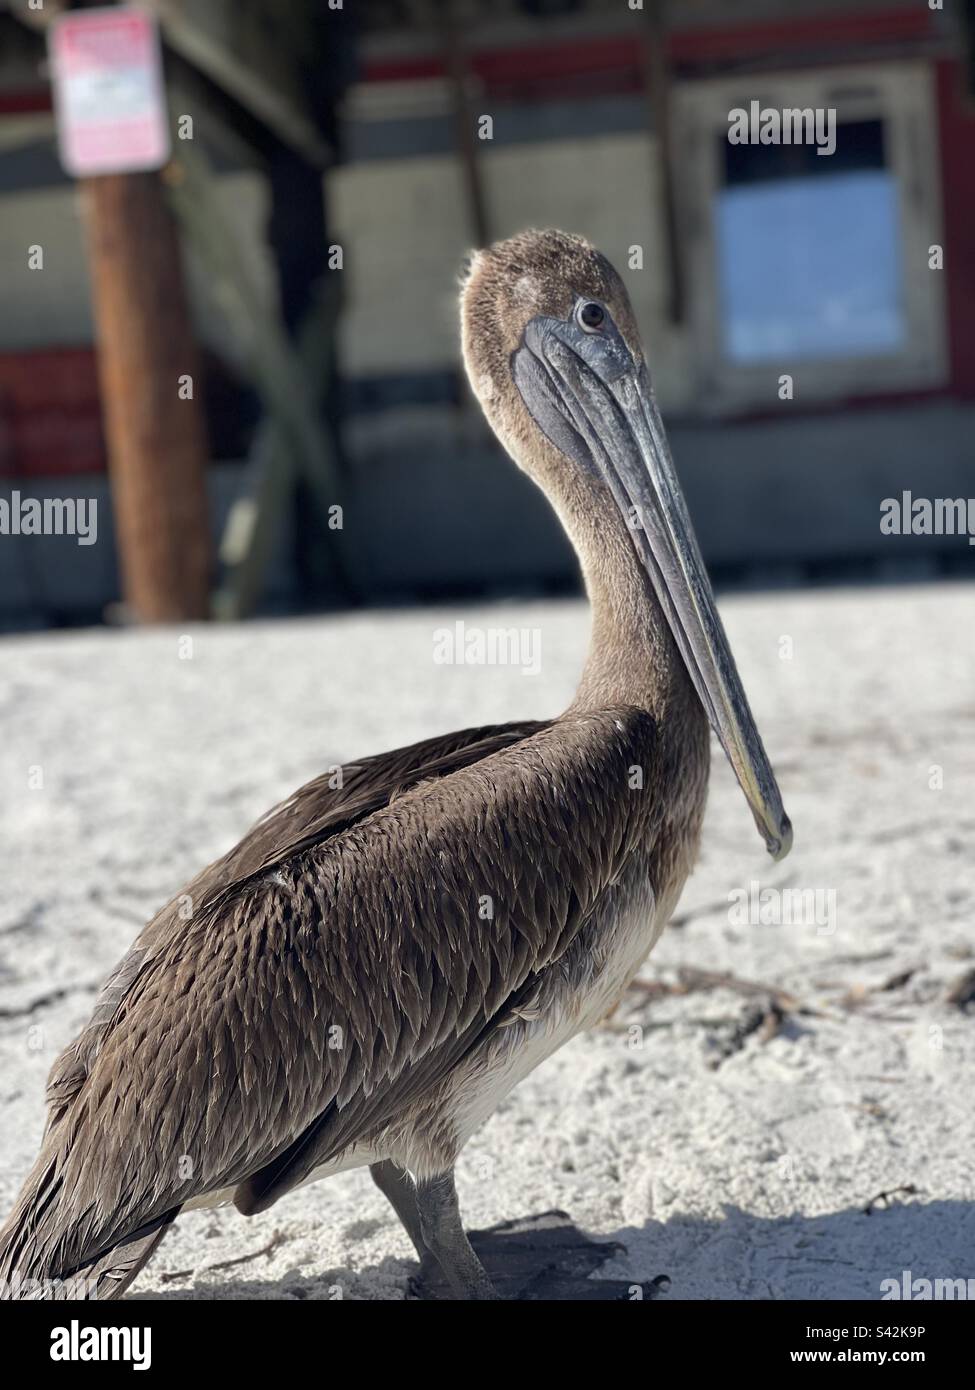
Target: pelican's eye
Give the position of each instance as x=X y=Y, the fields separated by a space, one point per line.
x=592 y=316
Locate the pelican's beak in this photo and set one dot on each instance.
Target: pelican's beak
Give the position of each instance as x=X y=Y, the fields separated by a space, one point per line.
x=594 y=401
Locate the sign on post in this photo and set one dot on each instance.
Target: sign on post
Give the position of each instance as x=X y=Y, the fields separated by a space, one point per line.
x=109 y=97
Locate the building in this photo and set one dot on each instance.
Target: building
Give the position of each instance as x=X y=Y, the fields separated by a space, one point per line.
x=807 y=307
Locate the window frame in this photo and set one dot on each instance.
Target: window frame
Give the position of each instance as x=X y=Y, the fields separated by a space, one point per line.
x=902 y=96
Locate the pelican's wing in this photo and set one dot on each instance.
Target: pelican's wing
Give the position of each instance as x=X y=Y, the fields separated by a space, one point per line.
x=314 y=994
x=320 y=808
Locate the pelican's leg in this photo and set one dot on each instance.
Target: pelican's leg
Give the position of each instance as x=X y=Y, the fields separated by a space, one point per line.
x=444 y=1236
x=396 y=1184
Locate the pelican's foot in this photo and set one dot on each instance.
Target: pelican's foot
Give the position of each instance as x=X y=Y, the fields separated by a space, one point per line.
x=537 y=1258
x=445 y=1242
x=431 y=1218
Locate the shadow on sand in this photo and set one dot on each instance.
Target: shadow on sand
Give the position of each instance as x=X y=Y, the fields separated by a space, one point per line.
x=845 y=1254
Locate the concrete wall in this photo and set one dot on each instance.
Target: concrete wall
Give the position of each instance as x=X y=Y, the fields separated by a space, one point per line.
x=54 y=579
x=406 y=228
x=436 y=508
x=439 y=506
x=52 y=306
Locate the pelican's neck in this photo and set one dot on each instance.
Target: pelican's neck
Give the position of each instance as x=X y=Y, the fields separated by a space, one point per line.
x=633 y=658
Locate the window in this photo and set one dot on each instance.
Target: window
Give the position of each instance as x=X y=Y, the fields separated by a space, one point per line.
x=812 y=264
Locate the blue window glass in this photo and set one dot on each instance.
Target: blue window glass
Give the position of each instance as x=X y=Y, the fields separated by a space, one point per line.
x=809 y=254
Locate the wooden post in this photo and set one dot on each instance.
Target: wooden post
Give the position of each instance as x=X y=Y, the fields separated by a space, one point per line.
x=458 y=74
x=658 y=92
x=150 y=386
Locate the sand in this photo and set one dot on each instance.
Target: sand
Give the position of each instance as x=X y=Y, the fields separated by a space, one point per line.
x=729 y=1145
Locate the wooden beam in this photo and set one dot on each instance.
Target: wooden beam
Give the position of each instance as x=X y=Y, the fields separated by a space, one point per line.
x=459 y=74
x=657 y=83
x=294 y=442
x=156 y=436
x=229 y=42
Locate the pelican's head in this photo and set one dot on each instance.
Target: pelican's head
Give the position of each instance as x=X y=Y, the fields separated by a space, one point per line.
x=554 y=356
x=516 y=293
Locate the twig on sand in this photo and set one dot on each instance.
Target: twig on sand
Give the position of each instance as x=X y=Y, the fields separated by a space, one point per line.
x=44 y=1001
x=858 y=995
x=772 y=1006
x=690 y=980
x=279 y=1238
x=655 y=989
x=693 y=979
x=764 y=1019
x=897 y=981
x=962 y=992
x=908 y=1189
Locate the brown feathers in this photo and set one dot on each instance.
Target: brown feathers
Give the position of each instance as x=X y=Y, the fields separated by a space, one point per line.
x=330 y=986
x=329 y=978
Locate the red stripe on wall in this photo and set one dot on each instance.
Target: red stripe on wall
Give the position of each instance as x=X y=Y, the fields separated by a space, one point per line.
x=687 y=48
x=25 y=103
x=50 y=413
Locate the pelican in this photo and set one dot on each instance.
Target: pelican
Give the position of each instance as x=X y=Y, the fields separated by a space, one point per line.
x=364 y=977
